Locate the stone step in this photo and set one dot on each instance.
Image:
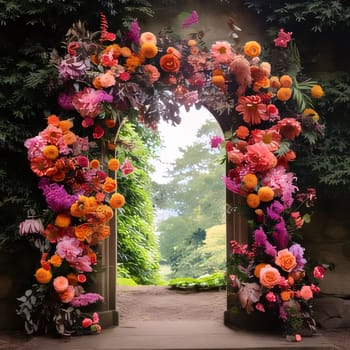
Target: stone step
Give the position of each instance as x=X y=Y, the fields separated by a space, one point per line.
x=171 y=335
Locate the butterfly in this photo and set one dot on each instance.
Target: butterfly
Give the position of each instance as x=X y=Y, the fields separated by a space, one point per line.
x=193 y=18
x=234 y=29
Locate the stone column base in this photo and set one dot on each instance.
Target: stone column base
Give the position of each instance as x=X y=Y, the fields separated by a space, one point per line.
x=109 y=318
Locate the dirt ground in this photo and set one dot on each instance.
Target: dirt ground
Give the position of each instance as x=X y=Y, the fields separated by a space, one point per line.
x=150 y=303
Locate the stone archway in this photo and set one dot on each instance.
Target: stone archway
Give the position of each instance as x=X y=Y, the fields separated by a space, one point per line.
x=215 y=21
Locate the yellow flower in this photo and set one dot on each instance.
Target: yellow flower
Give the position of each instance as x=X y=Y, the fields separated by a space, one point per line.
x=316 y=91
x=113 y=164
x=95 y=164
x=286 y=81
x=252 y=48
x=253 y=200
x=309 y=112
x=284 y=93
x=250 y=181
x=43 y=276
x=62 y=220
x=50 y=152
x=265 y=194
x=117 y=200
x=149 y=50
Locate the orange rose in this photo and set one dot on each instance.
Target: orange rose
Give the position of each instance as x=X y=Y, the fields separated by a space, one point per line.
x=269 y=276
x=109 y=185
x=286 y=260
x=55 y=260
x=169 y=63
x=43 y=276
x=252 y=48
x=285 y=295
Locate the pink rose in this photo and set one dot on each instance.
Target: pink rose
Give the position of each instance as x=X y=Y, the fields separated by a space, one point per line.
x=305 y=293
x=87 y=322
x=60 y=284
x=319 y=272
x=271 y=297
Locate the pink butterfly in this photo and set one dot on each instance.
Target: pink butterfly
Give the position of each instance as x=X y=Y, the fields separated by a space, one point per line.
x=191 y=19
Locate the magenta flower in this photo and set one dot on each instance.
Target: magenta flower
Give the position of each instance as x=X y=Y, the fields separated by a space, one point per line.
x=216 y=141
x=86 y=299
x=127 y=167
x=283 y=38
x=133 y=33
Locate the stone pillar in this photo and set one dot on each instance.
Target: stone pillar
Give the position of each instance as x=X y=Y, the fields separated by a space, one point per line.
x=106 y=279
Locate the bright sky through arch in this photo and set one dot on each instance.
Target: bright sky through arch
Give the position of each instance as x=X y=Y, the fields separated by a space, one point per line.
x=178 y=136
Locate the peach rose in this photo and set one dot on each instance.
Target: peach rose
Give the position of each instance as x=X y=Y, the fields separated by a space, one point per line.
x=286 y=260
x=306 y=293
x=269 y=276
x=68 y=295
x=148 y=37
x=60 y=284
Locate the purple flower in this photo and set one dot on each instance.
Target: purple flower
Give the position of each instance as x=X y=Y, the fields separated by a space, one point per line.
x=280 y=235
x=261 y=240
x=216 y=141
x=65 y=101
x=274 y=210
x=71 y=68
x=56 y=196
x=298 y=251
x=86 y=299
x=134 y=32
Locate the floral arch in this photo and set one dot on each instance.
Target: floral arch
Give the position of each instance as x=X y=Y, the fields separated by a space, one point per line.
x=266 y=115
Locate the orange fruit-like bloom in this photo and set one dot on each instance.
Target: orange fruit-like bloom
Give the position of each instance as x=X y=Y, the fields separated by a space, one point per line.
x=117 y=200
x=252 y=109
x=79 y=208
x=316 y=91
x=252 y=48
x=113 y=164
x=95 y=164
x=286 y=81
x=258 y=269
x=133 y=62
x=53 y=120
x=149 y=50
x=65 y=125
x=60 y=283
x=43 y=276
x=69 y=137
x=62 y=220
x=253 y=200
x=286 y=260
x=170 y=63
x=250 y=181
x=104 y=213
x=50 y=152
x=242 y=132
x=55 y=260
x=109 y=185
x=285 y=295
x=284 y=93
x=218 y=80
x=266 y=194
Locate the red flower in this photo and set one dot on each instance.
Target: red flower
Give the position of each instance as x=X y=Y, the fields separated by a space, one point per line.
x=252 y=109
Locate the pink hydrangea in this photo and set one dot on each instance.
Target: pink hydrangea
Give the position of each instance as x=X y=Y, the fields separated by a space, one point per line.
x=221 y=52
